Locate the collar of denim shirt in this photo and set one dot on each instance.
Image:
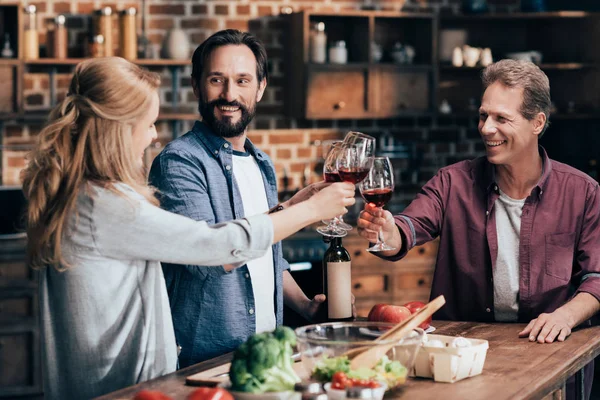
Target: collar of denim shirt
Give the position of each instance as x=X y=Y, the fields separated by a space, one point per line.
x=216 y=143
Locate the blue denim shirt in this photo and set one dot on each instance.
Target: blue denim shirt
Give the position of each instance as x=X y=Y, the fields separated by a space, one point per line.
x=213 y=310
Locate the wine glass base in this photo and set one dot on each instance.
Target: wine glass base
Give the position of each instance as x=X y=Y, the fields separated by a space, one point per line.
x=345 y=226
x=380 y=247
x=331 y=232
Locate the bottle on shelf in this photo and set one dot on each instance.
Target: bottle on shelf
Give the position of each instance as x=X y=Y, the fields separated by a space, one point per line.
x=128 y=34
x=57 y=41
x=31 y=46
x=7 y=51
x=337 y=282
x=318 y=43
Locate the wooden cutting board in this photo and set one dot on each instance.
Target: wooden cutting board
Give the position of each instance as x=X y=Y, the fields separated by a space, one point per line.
x=216 y=375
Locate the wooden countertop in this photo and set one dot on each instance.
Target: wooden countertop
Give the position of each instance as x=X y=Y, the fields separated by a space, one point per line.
x=514 y=368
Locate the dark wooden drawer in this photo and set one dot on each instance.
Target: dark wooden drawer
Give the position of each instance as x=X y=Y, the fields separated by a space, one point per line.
x=336 y=94
x=16 y=307
x=14 y=270
x=16 y=366
x=413 y=280
x=369 y=285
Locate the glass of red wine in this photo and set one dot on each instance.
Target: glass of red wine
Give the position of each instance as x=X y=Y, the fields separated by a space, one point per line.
x=377 y=188
x=330 y=174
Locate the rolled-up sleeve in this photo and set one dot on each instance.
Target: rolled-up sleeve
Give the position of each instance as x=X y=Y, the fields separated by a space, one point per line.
x=421 y=221
x=588 y=251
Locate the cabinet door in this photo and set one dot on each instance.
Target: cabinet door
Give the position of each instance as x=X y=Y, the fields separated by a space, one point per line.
x=396 y=91
x=336 y=94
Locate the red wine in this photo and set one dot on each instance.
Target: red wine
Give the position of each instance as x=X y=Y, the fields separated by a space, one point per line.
x=332 y=177
x=353 y=175
x=379 y=197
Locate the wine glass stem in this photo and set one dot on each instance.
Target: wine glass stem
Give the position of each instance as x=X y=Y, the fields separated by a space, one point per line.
x=380 y=233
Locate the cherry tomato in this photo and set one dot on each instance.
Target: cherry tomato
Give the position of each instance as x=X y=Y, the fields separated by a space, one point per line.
x=151 y=395
x=206 y=393
x=337 y=385
x=339 y=377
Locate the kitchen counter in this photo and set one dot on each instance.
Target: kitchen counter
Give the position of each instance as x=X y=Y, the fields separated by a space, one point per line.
x=514 y=368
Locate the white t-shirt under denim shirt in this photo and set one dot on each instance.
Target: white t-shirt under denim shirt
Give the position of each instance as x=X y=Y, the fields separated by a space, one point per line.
x=254 y=199
x=106 y=322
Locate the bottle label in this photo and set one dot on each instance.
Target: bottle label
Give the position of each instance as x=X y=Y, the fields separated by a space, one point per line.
x=339 y=290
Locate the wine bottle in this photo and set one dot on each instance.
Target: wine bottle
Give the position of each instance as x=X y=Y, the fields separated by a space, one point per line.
x=337 y=282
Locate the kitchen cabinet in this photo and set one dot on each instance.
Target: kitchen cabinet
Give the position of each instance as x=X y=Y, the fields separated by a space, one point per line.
x=366 y=86
x=20 y=372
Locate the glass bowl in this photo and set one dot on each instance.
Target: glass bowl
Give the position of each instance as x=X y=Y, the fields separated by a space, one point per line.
x=334 y=339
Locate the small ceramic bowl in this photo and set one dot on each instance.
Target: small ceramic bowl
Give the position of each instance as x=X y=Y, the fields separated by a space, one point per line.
x=340 y=394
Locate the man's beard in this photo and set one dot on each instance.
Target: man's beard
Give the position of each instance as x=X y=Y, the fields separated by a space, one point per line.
x=225 y=128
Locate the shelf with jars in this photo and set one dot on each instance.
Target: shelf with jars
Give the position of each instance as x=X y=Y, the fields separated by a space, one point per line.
x=561 y=43
x=360 y=64
x=110 y=33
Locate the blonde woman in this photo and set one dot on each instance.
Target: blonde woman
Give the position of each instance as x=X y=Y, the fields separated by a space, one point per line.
x=97 y=234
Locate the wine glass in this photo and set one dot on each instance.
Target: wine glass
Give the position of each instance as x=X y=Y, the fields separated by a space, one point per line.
x=330 y=174
x=353 y=163
x=377 y=188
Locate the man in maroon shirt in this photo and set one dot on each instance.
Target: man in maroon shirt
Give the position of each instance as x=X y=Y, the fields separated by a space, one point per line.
x=519 y=232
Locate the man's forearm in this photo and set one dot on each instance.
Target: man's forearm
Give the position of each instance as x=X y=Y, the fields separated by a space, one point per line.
x=293 y=296
x=580 y=308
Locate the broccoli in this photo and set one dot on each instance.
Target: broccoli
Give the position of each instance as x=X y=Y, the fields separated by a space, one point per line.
x=264 y=363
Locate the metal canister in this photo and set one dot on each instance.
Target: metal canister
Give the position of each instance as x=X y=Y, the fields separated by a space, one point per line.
x=128 y=33
x=104 y=28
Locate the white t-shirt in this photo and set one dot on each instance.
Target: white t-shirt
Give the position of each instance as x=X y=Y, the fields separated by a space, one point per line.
x=262 y=270
x=506 y=272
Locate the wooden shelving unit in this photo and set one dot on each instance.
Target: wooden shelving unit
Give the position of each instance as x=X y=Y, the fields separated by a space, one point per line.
x=362 y=88
x=75 y=61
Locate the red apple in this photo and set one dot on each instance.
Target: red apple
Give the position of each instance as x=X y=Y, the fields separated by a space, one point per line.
x=394 y=314
x=375 y=313
x=415 y=306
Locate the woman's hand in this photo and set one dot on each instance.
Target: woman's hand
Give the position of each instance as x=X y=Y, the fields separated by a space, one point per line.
x=332 y=200
x=306 y=193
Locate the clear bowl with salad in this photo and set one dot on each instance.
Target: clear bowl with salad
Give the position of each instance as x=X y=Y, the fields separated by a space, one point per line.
x=327 y=350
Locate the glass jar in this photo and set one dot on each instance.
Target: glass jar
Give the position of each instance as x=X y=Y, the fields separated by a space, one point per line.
x=338 y=54
x=128 y=33
x=31 y=46
x=96 y=46
x=103 y=24
x=57 y=41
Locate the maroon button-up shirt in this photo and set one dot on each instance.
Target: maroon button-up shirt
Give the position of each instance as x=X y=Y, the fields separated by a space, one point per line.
x=559 y=248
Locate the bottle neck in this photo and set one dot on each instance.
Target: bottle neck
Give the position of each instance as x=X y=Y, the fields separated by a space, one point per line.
x=336 y=242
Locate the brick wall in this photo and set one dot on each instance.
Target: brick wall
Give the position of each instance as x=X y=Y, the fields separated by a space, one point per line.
x=290 y=142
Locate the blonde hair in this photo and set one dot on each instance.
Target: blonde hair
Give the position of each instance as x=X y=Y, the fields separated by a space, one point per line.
x=529 y=77
x=87 y=139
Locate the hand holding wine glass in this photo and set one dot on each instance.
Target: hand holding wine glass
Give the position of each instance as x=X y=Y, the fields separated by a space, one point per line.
x=330 y=174
x=377 y=188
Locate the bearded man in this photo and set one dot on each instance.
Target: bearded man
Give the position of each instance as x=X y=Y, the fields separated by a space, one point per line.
x=214 y=173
